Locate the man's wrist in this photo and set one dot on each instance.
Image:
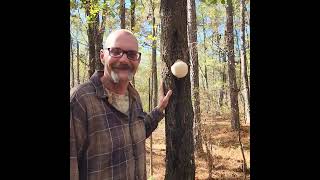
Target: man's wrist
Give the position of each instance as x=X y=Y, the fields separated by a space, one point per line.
x=160 y=109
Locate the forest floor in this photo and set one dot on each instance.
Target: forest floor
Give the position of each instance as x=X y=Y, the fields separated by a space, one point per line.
x=222 y=142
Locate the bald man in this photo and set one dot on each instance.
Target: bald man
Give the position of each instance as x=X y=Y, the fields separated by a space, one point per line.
x=108 y=126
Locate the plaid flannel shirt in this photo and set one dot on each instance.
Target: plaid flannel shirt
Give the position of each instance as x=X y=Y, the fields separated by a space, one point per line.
x=105 y=143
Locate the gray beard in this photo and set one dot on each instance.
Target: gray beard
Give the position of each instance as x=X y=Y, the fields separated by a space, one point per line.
x=115 y=77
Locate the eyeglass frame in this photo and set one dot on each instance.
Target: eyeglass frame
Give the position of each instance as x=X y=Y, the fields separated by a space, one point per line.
x=125 y=52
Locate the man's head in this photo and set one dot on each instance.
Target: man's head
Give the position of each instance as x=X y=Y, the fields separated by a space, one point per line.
x=120 y=56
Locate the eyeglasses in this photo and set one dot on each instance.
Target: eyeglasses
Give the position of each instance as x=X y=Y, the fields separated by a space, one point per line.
x=118 y=53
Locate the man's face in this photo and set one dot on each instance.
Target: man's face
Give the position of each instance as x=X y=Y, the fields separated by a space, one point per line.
x=120 y=68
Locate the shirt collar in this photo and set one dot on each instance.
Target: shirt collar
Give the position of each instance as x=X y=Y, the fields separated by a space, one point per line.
x=100 y=91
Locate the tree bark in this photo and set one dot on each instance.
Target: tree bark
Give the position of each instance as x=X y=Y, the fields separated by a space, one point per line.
x=99 y=40
x=221 y=57
x=133 y=16
x=154 y=58
x=95 y=32
x=100 y=34
x=180 y=162
x=122 y=13
x=92 y=49
x=91 y=37
x=231 y=69
x=205 y=51
x=133 y=23
x=244 y=74
x=194 y=72
x=78 y=63
x=71 y=63
x=150 y=105
x=238 y=46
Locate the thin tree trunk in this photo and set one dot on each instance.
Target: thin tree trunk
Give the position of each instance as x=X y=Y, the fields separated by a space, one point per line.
x=122 y=13
x=132 y=12
x=205 y=66
x=224 y=79
x=231 y=69
x=133 y=23
x=99 y=42
x=154 y=60
x=92 y=49
x=78 y=64
x=205 y=51
x=206 y=75
x=238 y=46
x=91 y=37
x=180 y=163
x=151 y=150
x=194 y=71
x=203 y=82
x=221 y=57
x=99 y=35
x=209 y=158
x=244 y=168
x=223 y=92
x=71 y=63
x=244 y=75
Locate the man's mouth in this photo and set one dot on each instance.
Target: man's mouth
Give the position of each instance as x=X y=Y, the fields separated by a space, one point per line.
x=122 y=67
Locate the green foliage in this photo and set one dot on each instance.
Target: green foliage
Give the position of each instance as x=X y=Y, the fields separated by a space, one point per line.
x=152 y=38
x=213 y=2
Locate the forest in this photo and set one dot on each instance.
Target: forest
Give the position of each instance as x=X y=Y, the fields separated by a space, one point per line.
x=212 y=101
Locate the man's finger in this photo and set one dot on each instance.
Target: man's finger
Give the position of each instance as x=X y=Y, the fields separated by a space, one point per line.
x=161 y=89
x=169 y=93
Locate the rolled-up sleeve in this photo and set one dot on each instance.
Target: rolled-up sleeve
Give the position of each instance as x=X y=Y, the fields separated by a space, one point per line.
x=152 y=120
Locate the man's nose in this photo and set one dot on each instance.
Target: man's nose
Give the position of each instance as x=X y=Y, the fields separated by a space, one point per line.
x=124 y=58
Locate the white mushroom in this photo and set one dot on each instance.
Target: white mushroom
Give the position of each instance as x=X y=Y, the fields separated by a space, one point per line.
x=179 y=69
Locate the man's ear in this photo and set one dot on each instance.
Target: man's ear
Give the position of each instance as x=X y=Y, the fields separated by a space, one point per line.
x=102 y=56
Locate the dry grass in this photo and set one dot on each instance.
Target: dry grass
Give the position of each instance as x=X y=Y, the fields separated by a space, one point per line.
x=224 y=145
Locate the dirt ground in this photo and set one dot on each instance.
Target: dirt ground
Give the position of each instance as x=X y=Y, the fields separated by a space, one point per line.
x=223 y=144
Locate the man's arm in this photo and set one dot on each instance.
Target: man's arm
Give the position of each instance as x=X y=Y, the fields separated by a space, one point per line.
x=77 y=136
x=153 y=118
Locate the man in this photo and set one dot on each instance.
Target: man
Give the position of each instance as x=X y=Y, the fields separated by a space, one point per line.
x=108 y=127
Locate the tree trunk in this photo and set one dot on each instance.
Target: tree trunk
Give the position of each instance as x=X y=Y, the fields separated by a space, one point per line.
x=71 y=63
x=99 y=42
x=91 y=38
x=150 y=105
x=133 y=23
x=238 y=46
x=154 y=73
x=133 y=16
x=244 y=75
x=205 y=51
x=231 y=69
x=92 y=49
x=154 y=60
x=180 y=162
x=192 y=41
x=221 y=57
x=224 y=79
x=154 y=81
x=122 y=13
x=206 y=75
x=95 y=32
x=78 y=63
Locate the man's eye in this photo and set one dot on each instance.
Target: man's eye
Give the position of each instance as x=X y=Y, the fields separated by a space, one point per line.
x=116 y=51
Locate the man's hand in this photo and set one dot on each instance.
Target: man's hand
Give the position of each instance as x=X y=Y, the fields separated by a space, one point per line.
x=163 y=100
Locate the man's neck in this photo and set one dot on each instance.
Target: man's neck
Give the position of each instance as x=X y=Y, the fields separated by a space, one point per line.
x=118 y=88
